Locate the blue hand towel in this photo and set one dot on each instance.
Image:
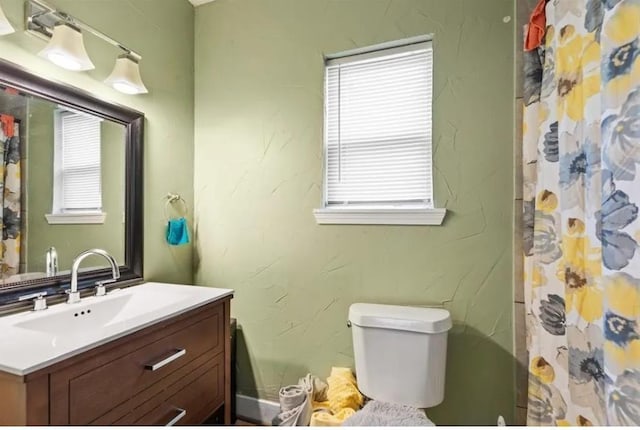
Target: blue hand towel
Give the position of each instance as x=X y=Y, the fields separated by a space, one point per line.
x=177 y=231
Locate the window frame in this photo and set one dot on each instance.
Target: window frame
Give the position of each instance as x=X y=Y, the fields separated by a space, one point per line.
x=58 y=215
x=409 y=213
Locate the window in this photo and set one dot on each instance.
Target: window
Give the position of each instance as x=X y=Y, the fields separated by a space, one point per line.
x=378 y=136
x=77 y=187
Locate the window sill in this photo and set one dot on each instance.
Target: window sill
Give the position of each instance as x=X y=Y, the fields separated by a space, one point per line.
x=380 y=216
x=80 y=218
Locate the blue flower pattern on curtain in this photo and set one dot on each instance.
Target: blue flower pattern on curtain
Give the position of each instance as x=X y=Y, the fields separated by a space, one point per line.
x=581 y=154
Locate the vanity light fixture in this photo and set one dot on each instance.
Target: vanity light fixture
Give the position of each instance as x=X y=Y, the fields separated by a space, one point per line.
x=5 y=25
x=66 y=49
x=125 y=76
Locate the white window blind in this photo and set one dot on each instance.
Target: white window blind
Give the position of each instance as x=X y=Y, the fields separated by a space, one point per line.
x=77 y=180
x=378 y=128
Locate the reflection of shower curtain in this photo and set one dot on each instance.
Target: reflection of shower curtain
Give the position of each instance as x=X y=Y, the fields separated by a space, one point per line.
x=582 y=190
x=10 y=194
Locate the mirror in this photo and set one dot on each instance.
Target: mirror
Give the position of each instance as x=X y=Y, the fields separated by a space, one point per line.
x=63 y=177
x=70 y=181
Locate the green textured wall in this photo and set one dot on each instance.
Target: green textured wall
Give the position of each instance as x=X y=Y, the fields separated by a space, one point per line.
x=162 y=32
x=258 y=176
x=71 y=239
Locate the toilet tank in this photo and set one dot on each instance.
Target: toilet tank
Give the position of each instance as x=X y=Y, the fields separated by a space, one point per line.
x=400 y=352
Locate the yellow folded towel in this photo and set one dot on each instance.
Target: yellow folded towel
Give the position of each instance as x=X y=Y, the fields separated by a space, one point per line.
x=319 y=405
x=343 y=390
x=343 y=399
x=325 y=419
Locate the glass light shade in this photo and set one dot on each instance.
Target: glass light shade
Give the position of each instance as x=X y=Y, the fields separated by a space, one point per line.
x=66 y=49
x=125 y=76
x=5 y=25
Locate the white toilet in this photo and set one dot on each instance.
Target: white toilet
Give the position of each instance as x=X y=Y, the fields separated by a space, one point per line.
x=400 y=352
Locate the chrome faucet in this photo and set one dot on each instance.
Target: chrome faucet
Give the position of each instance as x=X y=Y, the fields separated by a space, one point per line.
x=74 y=294
x=52 y=262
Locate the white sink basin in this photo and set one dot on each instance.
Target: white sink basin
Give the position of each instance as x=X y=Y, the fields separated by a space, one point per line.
x=33 y=340
x=94 y=314
x=77 y=320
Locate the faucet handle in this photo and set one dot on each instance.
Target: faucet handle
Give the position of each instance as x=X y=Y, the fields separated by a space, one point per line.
x=101 y=290
x=39 y=301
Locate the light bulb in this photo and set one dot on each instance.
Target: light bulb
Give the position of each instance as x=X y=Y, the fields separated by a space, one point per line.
x=124 y=87
x=64 y=61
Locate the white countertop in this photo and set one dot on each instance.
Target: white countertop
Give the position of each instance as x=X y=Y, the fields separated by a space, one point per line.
x=31 y=341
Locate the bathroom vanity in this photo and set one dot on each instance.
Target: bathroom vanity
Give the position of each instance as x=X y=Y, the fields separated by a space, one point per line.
x=147 y=354
x=153 y=354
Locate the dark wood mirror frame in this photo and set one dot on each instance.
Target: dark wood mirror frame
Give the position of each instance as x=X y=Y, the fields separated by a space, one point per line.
x=15 y=77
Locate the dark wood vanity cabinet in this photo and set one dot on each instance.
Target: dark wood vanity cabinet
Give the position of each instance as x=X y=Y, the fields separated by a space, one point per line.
x=174 y=372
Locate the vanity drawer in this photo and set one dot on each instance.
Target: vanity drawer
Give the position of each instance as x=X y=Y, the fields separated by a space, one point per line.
x=149 y=399
x=90 y=389
x=190 y=401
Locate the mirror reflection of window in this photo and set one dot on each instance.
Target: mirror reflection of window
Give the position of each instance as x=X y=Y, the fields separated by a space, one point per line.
x=64 y=171
x=77 y=187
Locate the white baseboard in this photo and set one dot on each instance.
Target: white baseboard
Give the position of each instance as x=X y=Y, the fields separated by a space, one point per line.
x=256 y=410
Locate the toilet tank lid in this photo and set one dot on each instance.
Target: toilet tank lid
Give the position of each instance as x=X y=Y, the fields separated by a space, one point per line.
x=405 y=318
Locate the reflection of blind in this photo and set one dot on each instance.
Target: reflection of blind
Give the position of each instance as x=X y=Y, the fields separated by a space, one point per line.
x=378 y=127
x=80 y=182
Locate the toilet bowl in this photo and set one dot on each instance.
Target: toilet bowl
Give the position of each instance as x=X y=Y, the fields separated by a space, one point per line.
x=400 y=352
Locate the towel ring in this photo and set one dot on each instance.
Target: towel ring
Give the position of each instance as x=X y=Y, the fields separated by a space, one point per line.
x=172 y=198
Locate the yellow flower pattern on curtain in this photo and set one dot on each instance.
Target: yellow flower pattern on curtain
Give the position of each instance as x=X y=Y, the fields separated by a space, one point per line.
x=581 y=155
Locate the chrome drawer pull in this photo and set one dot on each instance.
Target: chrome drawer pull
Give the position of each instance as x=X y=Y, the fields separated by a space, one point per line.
x=153 y=367
x=181 y=414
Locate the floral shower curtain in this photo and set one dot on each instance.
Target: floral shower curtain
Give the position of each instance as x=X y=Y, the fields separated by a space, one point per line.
x=581 y=194
x=10 y=195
